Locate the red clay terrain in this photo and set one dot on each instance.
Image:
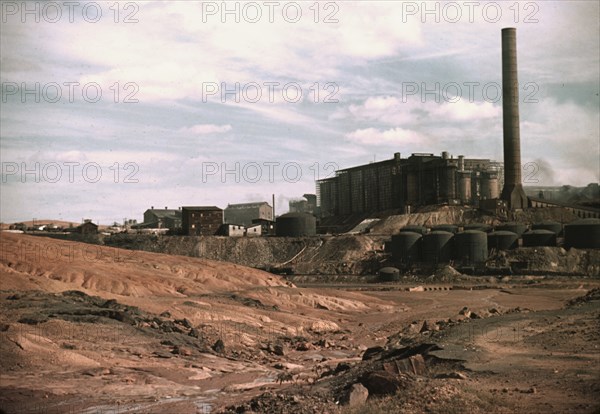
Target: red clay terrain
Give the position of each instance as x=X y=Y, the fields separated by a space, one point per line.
x=86 y=328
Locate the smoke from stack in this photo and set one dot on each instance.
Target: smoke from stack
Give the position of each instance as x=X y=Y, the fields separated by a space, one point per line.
x=513 y=191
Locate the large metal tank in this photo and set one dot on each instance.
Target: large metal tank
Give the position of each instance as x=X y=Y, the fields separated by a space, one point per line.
x=503 y=240
x=414 y=229
x=583 y=233
x=517 y=228
x=464 y=187
x=296 y=225
x=450 y=228
x=406 y=247
x=535 y=238
x=548 y=225
x=489 y=187
x=471 y=246
x=389 y=274
x=437 y=247
x=478 y=226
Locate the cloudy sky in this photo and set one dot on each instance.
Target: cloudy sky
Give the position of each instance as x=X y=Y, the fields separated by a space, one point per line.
x=110 y=108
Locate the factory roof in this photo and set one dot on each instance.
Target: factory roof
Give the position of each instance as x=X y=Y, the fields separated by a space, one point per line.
x=247 y=205
x=202 y=208
x=164 y=212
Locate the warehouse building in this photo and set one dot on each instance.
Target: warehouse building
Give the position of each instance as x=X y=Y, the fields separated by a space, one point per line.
x=162 y=218
x=245 y=213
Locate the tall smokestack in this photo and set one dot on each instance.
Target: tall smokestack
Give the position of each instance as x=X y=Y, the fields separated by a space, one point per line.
x=513 y=191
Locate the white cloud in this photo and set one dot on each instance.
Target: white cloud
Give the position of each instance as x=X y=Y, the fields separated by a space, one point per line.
x=396 y=136
x=420 y=110
x=205 y=129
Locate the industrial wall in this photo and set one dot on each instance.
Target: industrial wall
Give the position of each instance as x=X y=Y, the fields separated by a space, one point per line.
x=421 y=179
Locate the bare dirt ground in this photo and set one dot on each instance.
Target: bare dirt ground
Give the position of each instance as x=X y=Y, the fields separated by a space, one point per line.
x=90 y=329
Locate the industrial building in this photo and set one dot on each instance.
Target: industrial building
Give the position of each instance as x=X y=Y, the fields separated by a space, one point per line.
x=245 y=213
x=403 y=183
x=201 y=221
x=162 y=218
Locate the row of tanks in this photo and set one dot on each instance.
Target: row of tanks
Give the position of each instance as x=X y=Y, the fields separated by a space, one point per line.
x=445 y=243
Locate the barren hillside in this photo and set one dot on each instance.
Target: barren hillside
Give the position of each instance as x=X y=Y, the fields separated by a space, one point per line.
x=86 y=328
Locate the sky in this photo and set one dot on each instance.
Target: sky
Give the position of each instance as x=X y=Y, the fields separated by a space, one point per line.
x=109 y=108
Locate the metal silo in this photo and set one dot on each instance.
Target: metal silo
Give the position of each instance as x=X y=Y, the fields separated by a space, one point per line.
x=450 y=228
x=296 y=225
x=471 y=246
x=548 y=225
x=535 y=238
x=478 y=226
x=502 y=240
x=489 y=186
x=583 y=233
x=389 y=274
x=406 y=247
x=414 y=229
x=464 y=186
x=517 y=228
x=437 y=247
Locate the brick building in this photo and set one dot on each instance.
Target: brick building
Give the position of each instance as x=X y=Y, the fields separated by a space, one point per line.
x=201 y=221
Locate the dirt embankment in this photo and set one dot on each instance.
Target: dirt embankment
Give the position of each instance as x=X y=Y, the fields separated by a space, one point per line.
x=345 y=254
x=351 y=254
x=29 y=262
x=442 y=215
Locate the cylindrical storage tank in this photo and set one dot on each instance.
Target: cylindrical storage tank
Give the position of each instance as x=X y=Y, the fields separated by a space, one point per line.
x=517 y=228
x=437 y=247
x=478 y=226
x=502 y=240
x=414 y=229
x=389 y=274
x=450 y=228
x=548 y=225
x=464 y=187
x=406 y=247
x=489 y=187
x=583 y=233
x=539 y=238
x=471 y=246
x=296 y=225
x=387 y=246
